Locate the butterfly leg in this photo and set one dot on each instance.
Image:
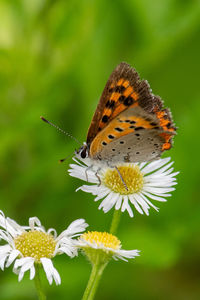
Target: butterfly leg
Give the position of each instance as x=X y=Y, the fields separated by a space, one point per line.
x=122 y=179
x=87 y=169
x=96 y=174
x=98 y=177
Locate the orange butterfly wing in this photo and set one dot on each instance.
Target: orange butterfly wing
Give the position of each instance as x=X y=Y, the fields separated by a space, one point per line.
x=123 y=90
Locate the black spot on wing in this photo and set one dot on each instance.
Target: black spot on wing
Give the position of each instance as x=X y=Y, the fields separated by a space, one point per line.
x=139 y=128
x=110 y=104
x=122 y=98
x=105 y=119
x=118 y=129
x=153 y=124
x=128 y=101
x=119 y=89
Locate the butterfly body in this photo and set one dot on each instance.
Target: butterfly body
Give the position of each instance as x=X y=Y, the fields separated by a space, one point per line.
x=129 y=124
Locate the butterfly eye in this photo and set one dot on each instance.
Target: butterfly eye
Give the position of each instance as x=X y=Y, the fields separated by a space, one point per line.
x=83 y=152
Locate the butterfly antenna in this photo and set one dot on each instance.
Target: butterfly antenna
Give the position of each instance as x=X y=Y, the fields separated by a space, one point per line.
x=69 y=156
x=61 y=130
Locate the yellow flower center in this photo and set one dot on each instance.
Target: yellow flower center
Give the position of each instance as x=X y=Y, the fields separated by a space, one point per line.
x=35 y=244
x=102 y=238
x=131 y=175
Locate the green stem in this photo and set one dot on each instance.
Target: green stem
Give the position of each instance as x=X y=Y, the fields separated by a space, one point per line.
x=90 y=281
x=96 y=281
x=115 y=221
x=38 y=286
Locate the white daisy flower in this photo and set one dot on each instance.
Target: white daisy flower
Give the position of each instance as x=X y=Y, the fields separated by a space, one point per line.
x=30 y=245
x=144 y=181
x=103 y=246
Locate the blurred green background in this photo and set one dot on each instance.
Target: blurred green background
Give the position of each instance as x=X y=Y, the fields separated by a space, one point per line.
x=55 y=58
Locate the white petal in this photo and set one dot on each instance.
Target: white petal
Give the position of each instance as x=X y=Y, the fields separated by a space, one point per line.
x=155 y=165
x=18 y=229
x=93 y=189
x=80 y=163
x=134 y=202
x=125 y=199
x=20 y=275
x=83 y=172
x=111 y=202
x=125 y=203
x=28 y=265
x=118 y=202
x=157 y=198
x=148 y=202
x=34 y=221
x=53 y=232
x=6 y=236
x=126 y=206
x=102 y=195
x=105 y=204
x=5 y=249
x=162 y=176
x=3 y=260
x=11 y=227
x=162 y=184
x=22 y=261
x=158 y=190
x=22 y=265
x=143 y=204
x=165 y=168
x=84 y=175
x=3 y=220
x=50 y=271
x=32 y=272
x=129 y=210
x=13 y=255
x=70 y=251
x=75 y=227
x=127 y=253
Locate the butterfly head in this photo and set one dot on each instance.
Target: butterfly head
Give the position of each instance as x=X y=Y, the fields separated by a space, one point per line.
x=83 y=152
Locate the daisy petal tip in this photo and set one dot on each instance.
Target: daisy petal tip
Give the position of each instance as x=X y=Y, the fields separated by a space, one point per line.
x=131 y=214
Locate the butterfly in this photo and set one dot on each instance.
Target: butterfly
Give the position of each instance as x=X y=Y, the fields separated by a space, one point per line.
x=129 y=124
